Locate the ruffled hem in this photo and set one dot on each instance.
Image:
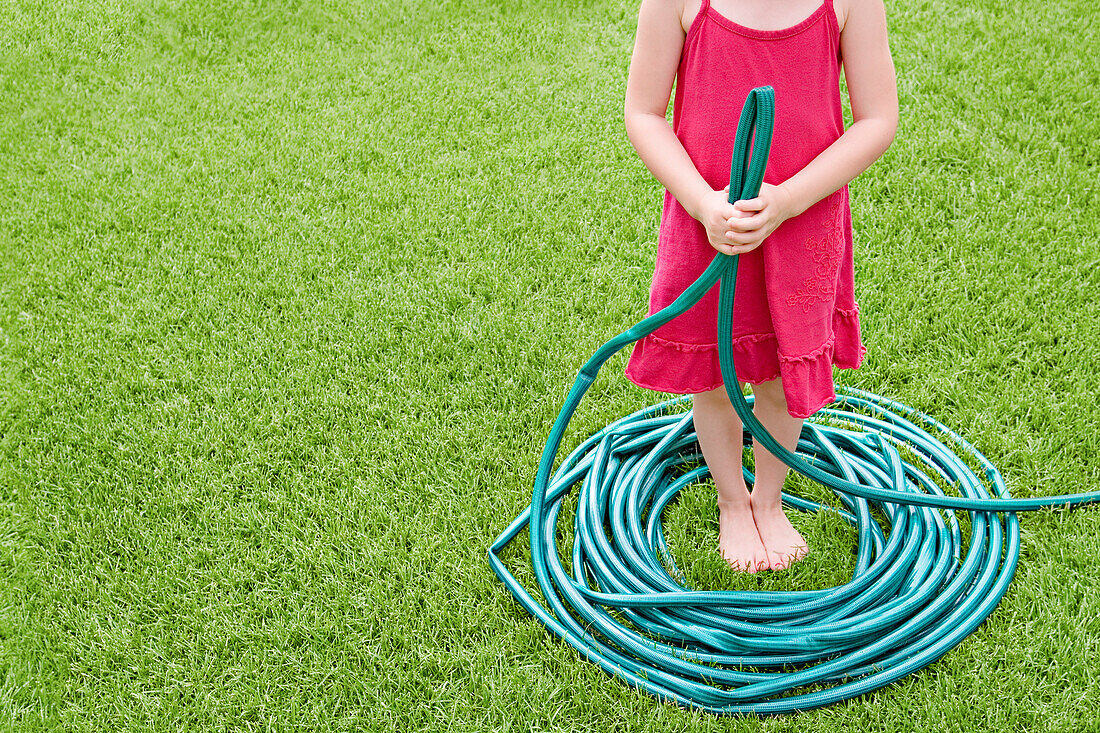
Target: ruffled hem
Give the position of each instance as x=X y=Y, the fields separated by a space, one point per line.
x=680 y=368
x=672 y=366
x=849 y=351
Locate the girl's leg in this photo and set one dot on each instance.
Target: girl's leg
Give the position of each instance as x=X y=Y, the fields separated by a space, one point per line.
x=719 y=432
x=783 y=542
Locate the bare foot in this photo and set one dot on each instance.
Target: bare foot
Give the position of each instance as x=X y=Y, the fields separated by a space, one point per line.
x=738 y=540
x=785 y=546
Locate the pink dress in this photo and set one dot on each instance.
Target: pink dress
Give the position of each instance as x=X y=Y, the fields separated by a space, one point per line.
x=795 y=314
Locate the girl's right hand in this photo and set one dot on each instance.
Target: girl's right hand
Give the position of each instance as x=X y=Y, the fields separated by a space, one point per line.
x=716 y=213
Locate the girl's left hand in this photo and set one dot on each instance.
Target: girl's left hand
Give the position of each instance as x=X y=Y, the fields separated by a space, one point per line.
x=760 y=216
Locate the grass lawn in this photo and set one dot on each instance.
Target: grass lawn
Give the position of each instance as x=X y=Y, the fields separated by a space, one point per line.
x=291 y=292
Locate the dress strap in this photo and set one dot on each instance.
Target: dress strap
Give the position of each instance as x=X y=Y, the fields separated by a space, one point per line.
x=702 y=13
x=833 y=22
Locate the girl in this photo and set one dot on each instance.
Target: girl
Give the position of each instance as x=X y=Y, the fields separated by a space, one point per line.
x=794 y=315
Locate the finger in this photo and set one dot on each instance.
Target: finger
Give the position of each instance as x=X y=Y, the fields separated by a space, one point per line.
x=730 y=247
x=755 y=204
x=740 y=249
x=745 y=223
x=742 y=237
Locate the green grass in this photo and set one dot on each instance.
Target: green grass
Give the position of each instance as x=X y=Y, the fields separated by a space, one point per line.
x=291 y=292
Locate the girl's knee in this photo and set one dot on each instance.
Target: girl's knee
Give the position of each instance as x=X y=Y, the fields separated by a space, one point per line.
x=770 y=395
x=714 y=397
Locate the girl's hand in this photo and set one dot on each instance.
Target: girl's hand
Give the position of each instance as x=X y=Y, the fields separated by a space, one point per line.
x=716 y=213
x=758 y=217
x=742 y=226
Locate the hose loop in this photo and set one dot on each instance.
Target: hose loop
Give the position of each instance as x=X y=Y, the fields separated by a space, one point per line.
x=917 y=589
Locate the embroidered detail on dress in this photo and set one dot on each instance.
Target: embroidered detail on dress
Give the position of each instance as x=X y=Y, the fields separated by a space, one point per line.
x=826 y=251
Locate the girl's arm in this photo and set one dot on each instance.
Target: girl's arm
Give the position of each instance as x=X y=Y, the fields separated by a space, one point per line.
x=872 y=89
x=653 y=67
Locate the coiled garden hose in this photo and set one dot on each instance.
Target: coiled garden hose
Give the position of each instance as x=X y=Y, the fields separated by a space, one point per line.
x=913 y=596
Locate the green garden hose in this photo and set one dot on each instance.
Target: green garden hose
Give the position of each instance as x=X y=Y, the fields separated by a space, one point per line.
x=913 y=595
